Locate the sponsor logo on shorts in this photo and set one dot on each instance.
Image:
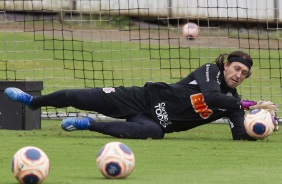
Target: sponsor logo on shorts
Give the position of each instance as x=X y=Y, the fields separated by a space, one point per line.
x=162 y=114
x=109 y=90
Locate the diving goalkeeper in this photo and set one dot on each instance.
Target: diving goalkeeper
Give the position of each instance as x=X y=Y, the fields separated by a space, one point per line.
x=205 y=95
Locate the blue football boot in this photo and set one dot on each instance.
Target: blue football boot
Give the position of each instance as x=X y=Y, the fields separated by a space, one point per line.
x=72 y=124
x=17 y=95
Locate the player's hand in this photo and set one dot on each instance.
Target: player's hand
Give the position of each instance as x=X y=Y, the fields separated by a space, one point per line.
x=264 y=105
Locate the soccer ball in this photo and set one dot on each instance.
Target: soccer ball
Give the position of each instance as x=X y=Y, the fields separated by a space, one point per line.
x=30 y=165
x=115 y=160
x=259 y=123
x=190 y=30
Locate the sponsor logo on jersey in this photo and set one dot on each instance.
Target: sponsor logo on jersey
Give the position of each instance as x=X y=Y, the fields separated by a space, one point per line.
x=199 y=105
x=208 y=72
x=221 y=109
x=229 y=94
x=109 y=90
x=194 y=82
x=217 y=78
x=162 y=114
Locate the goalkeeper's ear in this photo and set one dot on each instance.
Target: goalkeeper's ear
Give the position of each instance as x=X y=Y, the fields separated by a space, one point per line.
x=249 y=74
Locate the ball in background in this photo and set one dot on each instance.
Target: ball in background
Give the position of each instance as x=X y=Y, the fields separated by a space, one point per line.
x=259 y=123
x=115 y=160
x=30 y=165
x=190 y=30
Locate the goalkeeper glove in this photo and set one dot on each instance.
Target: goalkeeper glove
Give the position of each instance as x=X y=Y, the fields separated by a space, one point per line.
x=267 y=105
x=246 y=104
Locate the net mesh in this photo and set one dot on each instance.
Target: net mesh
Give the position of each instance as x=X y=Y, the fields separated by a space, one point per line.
x=93 y=43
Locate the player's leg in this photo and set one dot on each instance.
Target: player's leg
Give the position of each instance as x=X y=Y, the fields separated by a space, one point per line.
x=83 y=99
x=136 y=127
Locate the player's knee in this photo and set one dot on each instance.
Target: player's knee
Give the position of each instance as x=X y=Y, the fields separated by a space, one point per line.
x=156 y=132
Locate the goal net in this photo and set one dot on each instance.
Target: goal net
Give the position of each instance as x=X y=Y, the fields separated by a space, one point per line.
x=71 y=44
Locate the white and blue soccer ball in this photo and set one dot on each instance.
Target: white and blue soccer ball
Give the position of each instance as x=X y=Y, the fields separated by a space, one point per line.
x=115 y=160
x=259 y=123
x=30 y=165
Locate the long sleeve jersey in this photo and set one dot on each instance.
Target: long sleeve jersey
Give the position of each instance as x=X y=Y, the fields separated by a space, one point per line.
x=200 y=98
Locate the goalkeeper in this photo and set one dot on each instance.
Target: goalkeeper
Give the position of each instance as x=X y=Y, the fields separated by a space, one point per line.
x=205 y=95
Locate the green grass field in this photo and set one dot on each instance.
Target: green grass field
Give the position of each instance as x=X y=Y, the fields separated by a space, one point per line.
x=205 y=154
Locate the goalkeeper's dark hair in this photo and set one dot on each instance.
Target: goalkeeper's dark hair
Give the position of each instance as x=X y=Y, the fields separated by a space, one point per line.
x=222 y=58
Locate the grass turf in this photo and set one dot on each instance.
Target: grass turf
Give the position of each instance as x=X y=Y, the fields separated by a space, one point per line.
x=206 y=154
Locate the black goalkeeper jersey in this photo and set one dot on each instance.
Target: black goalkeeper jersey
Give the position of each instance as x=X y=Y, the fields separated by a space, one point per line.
x=200 y=98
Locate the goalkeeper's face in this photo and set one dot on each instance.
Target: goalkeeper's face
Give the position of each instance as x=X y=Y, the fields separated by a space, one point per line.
x=235 y=73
